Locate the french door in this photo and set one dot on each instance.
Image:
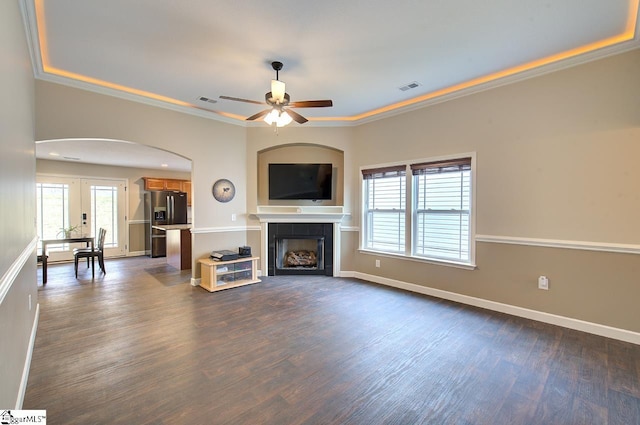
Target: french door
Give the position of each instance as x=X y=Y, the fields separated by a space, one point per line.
x=87 y=205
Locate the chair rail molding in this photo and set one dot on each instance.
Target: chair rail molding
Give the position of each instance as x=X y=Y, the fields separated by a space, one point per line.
x=6 y=281
x=558 y=243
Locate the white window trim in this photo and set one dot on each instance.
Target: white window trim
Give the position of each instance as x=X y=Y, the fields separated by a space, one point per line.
x=410 y=210
x=456 y=264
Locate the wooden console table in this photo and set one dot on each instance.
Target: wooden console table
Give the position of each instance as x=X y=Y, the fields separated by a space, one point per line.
x=219 y=275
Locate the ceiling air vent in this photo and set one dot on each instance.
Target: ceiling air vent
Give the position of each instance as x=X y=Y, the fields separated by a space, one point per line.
x=410 y=86
x=206 y=99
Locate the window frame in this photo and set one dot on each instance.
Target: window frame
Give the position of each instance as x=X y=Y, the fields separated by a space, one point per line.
x=411 y=214
x=418 y=172
x=367 y=178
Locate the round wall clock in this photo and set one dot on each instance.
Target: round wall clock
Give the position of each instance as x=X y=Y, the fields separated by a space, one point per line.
x=223 y=190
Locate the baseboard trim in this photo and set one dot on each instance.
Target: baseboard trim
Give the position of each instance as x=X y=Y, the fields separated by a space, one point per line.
x=566 y=322
x=195 y=281
x=27 y=362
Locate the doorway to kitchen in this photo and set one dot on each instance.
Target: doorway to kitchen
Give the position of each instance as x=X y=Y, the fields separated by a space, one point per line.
x=84 y=206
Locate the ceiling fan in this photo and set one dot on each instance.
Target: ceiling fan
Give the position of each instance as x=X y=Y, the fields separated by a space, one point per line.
x=277 y=99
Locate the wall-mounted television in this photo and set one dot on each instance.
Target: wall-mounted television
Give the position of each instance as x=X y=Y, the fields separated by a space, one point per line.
x=300 y=181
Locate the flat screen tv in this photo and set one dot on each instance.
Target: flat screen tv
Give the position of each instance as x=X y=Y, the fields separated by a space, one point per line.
x=300 y=181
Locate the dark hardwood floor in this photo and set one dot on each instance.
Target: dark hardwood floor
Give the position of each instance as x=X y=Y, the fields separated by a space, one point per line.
x=140 y=345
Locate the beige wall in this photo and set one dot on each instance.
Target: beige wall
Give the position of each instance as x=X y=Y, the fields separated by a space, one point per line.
x=556 y=159
x=18 y=287
x=135 y=190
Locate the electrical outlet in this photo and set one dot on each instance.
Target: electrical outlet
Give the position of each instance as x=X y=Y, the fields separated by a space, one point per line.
x=377 y=263
x=543 y=283
x=233 y=217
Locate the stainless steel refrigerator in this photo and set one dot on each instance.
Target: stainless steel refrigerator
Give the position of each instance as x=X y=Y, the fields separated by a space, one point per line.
x=163 y=208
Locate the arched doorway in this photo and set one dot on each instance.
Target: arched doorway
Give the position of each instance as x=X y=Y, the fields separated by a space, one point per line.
x=86 y=184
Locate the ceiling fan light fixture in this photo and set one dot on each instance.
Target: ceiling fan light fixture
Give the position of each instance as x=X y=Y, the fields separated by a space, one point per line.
x=284 y=119
x=280 y=118
x=277 y=91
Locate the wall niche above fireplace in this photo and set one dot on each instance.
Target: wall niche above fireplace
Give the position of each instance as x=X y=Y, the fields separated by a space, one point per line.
x=301 y=153
x=300 y=249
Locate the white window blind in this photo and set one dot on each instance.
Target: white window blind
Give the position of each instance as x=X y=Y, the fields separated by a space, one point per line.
x=442 y=209
x=385 y=199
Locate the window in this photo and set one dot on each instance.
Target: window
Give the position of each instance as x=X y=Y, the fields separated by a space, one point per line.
x=52 y=209
x=384 y=206
x=442 y=198
x=440 y=216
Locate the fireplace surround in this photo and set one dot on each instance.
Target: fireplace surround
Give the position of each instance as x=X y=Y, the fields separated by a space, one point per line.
x=310 y=244
x=323 y=215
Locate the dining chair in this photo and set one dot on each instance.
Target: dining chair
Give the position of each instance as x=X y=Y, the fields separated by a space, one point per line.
x=88 y=253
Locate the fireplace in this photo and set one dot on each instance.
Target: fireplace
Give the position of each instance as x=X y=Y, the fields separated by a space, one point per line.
x=300 y=248
x=300 y=252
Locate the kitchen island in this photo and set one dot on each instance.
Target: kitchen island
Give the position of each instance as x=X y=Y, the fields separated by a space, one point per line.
x=178 y=244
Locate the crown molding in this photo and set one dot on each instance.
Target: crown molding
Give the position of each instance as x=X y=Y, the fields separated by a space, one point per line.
x=28 y=13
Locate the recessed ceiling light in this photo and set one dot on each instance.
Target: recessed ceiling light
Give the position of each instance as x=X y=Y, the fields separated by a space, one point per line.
x=164 y=165
x=54 y=154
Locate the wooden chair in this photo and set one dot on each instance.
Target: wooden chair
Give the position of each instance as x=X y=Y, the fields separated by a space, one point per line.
x=87 y=253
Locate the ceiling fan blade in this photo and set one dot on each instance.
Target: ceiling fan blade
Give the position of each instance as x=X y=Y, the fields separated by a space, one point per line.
x=258 y=115
x=297 y=117
x=311 y=104
x=238 y=99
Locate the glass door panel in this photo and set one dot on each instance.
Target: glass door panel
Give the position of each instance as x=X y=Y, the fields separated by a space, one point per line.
x=103 y=206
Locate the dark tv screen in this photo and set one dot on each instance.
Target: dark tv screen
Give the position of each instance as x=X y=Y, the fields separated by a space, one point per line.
x=300 y=181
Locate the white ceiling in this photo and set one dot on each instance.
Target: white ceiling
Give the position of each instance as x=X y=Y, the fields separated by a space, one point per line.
x=357 y=53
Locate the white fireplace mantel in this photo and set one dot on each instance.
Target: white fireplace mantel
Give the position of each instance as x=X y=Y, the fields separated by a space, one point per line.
x=300 y=214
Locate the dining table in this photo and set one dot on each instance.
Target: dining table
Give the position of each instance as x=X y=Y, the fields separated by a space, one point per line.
x=89 y=240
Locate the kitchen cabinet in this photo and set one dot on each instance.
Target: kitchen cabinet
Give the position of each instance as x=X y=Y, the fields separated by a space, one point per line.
x=186 y=187
x=219 y=275
x=173 y=184
x=157 y=183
